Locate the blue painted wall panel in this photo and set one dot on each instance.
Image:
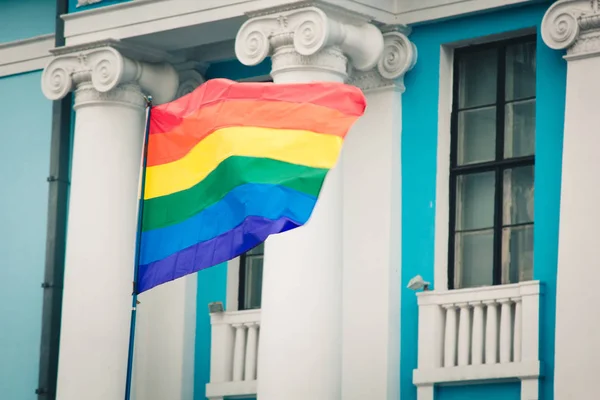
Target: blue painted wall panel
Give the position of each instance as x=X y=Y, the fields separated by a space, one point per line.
x=235 y=70
x=494 y=391
x=419 y=152
x=25 y=130
x=212 y=286
x=23 y=19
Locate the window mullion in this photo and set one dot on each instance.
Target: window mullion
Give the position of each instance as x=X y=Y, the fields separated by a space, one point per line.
x=242 y=283
x=453 y=164
x=498 y=200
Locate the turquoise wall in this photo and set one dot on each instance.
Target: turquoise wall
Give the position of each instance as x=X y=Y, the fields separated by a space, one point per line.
x=419 y=147
x=25 y=131
x=73 y=5
x=235 y=70
x=495 y=391
x=22 y=19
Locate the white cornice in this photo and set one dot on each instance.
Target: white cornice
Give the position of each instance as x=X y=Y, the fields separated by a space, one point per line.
x=419 y=11
x=146 y=17
x=25 y=55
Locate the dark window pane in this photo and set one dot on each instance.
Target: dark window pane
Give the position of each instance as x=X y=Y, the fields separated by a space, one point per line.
x=475 y=201
x=520 y=71
x=476 y=135
x=254 y=273
x=519 y=129
x=517 y=254
x=477 y=77
x=251 y=279
x=474 y=255
x=258 y=250
x=518 y=195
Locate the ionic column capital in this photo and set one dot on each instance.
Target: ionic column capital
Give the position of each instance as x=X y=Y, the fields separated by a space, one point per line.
x=398 y=57
x=104 y=69
x=573 y=25
x=190 y=77
x=310 y=38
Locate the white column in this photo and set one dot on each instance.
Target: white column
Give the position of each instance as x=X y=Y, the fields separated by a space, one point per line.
x=301 y=322
x=109 y=130
x=575 y=26
x=372 y=181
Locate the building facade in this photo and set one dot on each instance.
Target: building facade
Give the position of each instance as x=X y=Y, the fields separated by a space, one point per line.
x=450 y=255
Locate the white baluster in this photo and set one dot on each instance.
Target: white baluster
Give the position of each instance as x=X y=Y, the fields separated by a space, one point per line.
x=505 y=330
x=450 y=336
x=491 y=333
x=518 y=331
x=239 y=352
x=464 y=333
x=221 y=349
x=251 y=351
x=477 y=338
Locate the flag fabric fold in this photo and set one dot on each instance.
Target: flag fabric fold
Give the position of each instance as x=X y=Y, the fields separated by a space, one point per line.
x=232 y=163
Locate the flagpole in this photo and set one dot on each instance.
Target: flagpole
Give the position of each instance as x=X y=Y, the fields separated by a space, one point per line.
x=137 y=253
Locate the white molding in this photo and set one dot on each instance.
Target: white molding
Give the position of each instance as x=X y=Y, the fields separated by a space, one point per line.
x=221 y=390
x=442 y=195
x=25 y=55
x=429 y=10
x=489 y=373
x=233 y=285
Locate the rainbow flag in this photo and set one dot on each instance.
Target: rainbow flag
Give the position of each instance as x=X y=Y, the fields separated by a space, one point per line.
x=232 y=163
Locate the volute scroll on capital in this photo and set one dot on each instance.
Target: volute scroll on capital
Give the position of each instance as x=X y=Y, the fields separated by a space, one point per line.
x=106 y=69
x=309 y=30
x=399 y=56
x=573 y=25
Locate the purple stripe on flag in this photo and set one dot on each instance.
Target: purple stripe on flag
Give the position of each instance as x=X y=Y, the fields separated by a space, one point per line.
x=249 y=234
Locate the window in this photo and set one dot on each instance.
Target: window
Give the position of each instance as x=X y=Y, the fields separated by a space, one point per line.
x=492 y=164
x=251 y=272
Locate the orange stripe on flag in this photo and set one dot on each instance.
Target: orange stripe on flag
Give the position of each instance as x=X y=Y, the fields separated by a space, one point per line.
x=171 y=146
x=346 y=99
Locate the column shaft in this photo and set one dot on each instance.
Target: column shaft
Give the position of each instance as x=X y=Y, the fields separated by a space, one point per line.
x=100 y=244
x=103 y=204
x=574 y=26
x=577 y=318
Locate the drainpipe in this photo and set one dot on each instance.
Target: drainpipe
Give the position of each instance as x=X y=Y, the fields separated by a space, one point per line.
x=58 y=181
